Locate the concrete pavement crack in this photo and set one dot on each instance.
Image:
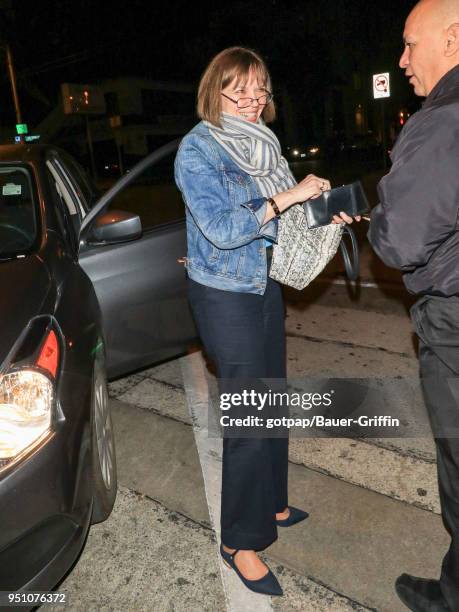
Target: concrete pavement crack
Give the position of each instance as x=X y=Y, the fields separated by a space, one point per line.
x=205 y=525
x=152 y=411
x=410 y=454
x=325 y=472
x=167 y=384
x=348 y=344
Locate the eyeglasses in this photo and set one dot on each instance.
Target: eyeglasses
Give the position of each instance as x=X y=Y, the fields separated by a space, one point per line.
x=246 y=102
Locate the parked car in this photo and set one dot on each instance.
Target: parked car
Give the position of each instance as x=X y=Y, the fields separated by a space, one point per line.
x=87 y=290
x=362 y=147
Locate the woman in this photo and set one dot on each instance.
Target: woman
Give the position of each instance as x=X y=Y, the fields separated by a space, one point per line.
x=236 y=184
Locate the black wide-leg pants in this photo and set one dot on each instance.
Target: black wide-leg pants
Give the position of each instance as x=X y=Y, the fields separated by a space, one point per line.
x=436 y=321
x=244 y=335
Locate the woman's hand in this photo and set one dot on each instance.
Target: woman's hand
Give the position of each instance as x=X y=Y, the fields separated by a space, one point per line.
x=310 y=188
x=313 y=187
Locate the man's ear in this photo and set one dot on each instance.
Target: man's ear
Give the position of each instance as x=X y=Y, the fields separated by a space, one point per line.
x=452 y=40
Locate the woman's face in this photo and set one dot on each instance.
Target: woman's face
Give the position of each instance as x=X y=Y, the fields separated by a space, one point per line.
x=237 y=90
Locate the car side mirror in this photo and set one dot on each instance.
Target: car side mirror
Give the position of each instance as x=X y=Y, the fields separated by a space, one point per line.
x=115 y=226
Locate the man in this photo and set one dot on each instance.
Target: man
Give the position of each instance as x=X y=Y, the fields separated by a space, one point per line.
x=415 y=228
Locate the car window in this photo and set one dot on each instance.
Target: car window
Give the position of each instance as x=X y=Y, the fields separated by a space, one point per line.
x=81 y=183
x=67 y=214
x=69 y=190
x=153 y=196
x=62 y=188
x=18 y=211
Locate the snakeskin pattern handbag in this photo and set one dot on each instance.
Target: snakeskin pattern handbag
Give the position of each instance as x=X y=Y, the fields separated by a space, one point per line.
x=302 y=253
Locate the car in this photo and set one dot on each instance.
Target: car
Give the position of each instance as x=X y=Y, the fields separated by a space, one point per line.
x=364 y=147
x=304 y=152
x=91 y=287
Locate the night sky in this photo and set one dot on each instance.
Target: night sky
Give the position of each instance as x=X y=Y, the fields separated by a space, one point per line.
x=307 y=44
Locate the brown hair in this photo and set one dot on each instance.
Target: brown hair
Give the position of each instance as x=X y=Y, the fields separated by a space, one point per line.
x=229 y=64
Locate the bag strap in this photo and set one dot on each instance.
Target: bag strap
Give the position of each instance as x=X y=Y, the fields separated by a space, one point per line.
x=352 y=266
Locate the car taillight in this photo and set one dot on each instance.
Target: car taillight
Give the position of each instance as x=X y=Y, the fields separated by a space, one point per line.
x=49 y=354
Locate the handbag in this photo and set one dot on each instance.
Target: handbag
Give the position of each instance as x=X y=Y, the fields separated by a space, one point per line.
x=302 y=251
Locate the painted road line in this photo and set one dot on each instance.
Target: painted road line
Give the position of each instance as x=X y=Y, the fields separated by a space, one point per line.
x=238 y=598
x=364 y=284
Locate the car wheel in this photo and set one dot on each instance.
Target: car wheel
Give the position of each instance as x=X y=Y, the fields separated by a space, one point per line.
x=103 y=448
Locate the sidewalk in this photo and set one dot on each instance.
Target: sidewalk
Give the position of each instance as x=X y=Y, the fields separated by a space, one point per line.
x=373 y=503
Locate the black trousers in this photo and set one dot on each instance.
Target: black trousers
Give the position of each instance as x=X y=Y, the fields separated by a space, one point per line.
x=436 y=321
x=244 y=335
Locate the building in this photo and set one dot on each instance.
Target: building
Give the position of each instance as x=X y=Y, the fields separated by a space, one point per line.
x=140 y=115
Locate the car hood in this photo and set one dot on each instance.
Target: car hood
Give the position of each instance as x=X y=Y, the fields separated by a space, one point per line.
x=25 y=284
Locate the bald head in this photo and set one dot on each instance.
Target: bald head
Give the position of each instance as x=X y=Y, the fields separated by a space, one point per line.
x=444 y=12
x=431 y=43
x=434 y=14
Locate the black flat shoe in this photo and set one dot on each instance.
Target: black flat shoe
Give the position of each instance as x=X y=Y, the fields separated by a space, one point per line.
x=421 y=595
x=268 y=585
x=296 y=515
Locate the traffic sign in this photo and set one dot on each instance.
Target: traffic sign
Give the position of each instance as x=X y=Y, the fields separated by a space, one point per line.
x=27 y=138
x=32 y=138
x=21 y=128
x=381 y=85
x=115 y=121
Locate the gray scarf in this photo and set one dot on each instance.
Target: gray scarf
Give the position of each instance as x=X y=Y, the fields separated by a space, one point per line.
x=256 y=150
x=300 y=253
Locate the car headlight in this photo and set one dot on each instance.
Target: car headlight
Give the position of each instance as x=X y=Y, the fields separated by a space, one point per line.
x=26 y=400
x=314 y=150
x=296 y=152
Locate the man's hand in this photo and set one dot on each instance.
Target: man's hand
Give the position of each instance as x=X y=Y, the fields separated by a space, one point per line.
x=343 y=218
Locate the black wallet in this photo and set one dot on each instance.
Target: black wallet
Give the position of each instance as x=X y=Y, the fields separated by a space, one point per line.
x=350 y=199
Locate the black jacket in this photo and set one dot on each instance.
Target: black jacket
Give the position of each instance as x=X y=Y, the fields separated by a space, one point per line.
x=415 y=227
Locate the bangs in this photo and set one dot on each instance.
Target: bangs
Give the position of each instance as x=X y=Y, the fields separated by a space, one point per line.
x=241 y=70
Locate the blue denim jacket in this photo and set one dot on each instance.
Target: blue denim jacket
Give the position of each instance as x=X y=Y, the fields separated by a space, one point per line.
x=224 y=214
